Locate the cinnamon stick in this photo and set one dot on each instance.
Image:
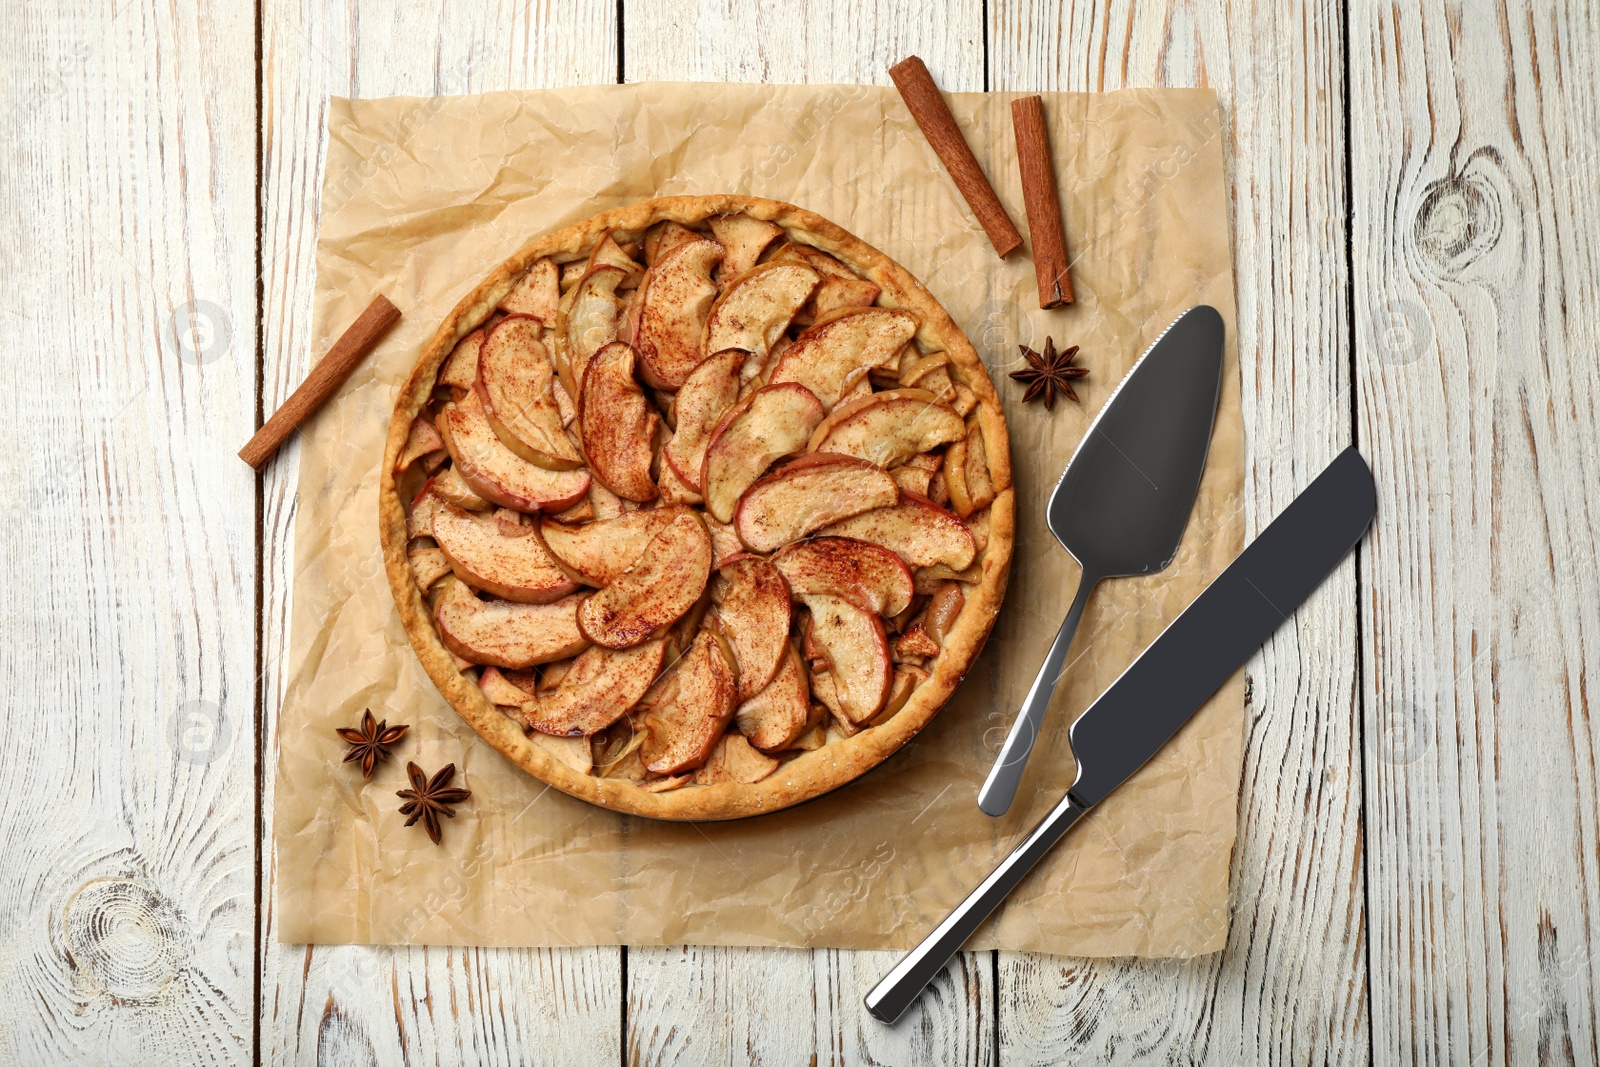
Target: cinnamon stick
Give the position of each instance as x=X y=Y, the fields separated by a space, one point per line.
x=933 y=116
x=1050 y=263
x=323 y=381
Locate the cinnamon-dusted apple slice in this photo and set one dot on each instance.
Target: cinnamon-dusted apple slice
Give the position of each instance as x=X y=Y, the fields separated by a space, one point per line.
x=695 y=707
x=513 y=564
x=916 y=529
x=888 y=428
x=651 y=595
x=424 y=506
x=725 y=543
x=673 y=305
x=587 y=322
x=808 y=494
x=421 y=440
x=449 y=485
x=498 y=474
x=869 y=576
x=536 y=293
x=618 y=424
x=515 y=386
x=755 y=308
x=601 y=687
x=832 y=356
x=499 y=633
x=663 y=237
x=460 y=370
x=776 y=716
x=745 y=238
x=428 y=564
x=734 y=760
x=857 y=652
x=966 y=472
x=932 y=374
x=501 y=691
x=912 y=479
x=673 y=488
x=769 y=424
x=596 y=553
x=753 y=605
x=707 y=394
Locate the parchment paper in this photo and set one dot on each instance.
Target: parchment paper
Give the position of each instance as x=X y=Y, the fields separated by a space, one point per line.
x=423 y=198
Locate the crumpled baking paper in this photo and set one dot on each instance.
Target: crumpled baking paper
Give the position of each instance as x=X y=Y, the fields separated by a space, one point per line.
x=422 y=198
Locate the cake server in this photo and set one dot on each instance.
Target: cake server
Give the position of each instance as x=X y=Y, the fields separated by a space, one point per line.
x=1124 y=499
x=1161 y=689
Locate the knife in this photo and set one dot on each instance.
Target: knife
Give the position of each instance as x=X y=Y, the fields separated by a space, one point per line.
x=1160 y=690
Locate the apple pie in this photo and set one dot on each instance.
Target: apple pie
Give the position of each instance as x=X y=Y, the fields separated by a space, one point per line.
x=698 y=509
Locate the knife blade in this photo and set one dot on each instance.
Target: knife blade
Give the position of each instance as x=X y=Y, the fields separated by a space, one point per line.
x=1163 y=687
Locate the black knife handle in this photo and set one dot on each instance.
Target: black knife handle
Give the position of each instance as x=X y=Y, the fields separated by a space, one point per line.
x=891 y=997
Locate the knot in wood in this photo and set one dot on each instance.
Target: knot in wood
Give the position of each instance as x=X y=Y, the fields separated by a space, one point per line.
x=1458 y=222
x=126 y=939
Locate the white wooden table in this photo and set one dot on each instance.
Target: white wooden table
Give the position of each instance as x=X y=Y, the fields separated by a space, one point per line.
x=1417 y=877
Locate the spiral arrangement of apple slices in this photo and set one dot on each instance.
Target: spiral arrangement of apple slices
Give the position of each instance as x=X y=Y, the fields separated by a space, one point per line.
x=695 y=504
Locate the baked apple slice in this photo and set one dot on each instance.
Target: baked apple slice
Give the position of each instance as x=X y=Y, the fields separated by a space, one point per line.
x=672 y=307
x=707 y=394
x=915 y=529
x=536 y=293
x=856 y=649
x=515 y=380
x=753 y=605
x=601 y=687
x=587 y=322
x=596 y=553
x=498 y=474
x=734 y=760
x=460 y=370
x=449 y=485
x=500 y=633
x=428 y=564
x=510 y=562
x=888 y=428
x=808 y=494
x=618 y=424
x=651 y=595
x=502 y=691
x=755 y=308
x=745 y=238
x=869 y=576
x=663 y=237
x=776 y=716
x=694 y=708
x=966 y=472
x=424 y=506
x=832 y=356
x=769 y=424
x=421 y=440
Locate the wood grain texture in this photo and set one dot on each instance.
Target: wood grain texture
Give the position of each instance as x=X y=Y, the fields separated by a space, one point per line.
x=816 y=42
x=807 y=1003
x=351 y=1004
x=126 y=762
x=1291 y=986
x=1477 y=321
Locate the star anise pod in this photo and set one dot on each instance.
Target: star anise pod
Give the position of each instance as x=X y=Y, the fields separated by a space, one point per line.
x=1049 y=373
x=371 y=742
x=428 y=799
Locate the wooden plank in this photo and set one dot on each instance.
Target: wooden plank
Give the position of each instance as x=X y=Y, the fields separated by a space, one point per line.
x=725 y=1005
x=129 y=321
x=1476 y=248
x=1291 y=986
x=350 y=1004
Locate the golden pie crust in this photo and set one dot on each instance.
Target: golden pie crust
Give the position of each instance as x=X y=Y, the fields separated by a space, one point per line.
x=799 y=777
